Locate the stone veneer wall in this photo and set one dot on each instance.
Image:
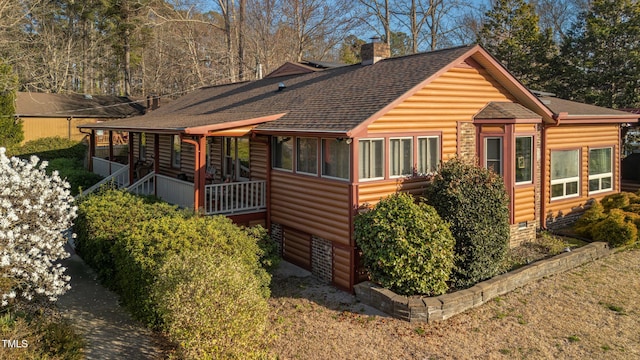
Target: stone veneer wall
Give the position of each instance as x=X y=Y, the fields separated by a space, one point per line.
x=522 y=235
x=438 y=308
x=467 y=141
x=276 y=235
x=322 y=259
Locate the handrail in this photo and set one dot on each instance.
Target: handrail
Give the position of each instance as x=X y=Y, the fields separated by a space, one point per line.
x=237 y=197
x=120 y=178
x=144 y=186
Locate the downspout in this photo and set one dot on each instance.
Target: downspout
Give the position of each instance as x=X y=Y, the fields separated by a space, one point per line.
x=543 y=169
x=130 y=156
x=69 y=118
x=199 y=175
x=268 y=185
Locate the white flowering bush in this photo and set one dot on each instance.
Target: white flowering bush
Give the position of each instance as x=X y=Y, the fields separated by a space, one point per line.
x=35 y=211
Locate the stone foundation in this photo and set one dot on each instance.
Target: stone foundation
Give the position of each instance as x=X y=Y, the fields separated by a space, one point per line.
x=276 y=235
x=321 y=259
x=521 y=233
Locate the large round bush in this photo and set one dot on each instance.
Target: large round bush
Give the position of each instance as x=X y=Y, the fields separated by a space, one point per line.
x=406 y=246
x=474 y=201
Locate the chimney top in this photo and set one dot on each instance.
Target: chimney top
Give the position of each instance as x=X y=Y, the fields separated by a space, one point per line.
x=374 y=51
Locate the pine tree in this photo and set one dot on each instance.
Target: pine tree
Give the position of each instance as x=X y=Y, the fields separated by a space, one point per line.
x=600 y=59
x=10 y=128
x=512 y=34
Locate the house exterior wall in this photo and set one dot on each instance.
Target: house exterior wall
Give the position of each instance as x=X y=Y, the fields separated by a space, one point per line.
x=37 y=128
x=445 y=106
x=582 y=137
x=258 y=157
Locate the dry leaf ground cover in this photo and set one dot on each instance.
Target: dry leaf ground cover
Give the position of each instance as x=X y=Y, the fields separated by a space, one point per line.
x=591 y=312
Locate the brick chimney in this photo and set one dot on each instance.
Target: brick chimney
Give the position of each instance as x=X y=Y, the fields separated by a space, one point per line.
x=374 y=51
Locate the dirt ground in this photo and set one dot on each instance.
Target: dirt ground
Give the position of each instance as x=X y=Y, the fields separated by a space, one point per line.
x=592 y=312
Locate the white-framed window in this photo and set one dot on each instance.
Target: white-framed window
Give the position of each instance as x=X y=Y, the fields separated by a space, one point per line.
x=307 y=155
x=282 y=153
x=176 y=150
x=428 y=154
x=335 y=158
x=600 y=170
x=493 y=154
x=371 y=159
x=524 y=159
x=400 y=156
x=565 y=173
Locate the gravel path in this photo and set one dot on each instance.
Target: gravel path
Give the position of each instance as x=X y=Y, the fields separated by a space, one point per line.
x=108 y=329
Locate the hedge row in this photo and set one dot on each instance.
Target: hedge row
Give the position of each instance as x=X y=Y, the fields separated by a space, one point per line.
x=199 y=278
x=615 y=220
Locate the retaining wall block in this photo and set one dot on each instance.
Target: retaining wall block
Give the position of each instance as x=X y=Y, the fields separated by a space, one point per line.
x=477 y=295
x=400 y=307
x=434 y=308
x=456 y=302
x=363 y=291
x=381 y=299
x=418 y=311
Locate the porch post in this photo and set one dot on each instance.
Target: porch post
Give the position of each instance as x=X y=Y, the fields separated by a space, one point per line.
x=92 y=148
x=156 y=160
x=200 y=173
x=110 y=149
x=131 y=165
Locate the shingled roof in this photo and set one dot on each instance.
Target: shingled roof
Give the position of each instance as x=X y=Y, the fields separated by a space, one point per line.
x=506 y=111
x=333 y=100
x=573 y=108
x=30 y=104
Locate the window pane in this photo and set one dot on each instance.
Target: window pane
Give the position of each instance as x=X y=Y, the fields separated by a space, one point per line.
x=572 y=188
x=599 y=161
x=283 y=152
x=523 y=159
x=557 y=190
x=606 y=183
x=401 y=157
x=564 y=164
x=335 y=158
x=493 y=153
x=594 y=185
x=307 y=155
x=371 y=158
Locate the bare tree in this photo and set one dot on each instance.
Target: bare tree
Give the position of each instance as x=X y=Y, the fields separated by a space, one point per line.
x=378 y=13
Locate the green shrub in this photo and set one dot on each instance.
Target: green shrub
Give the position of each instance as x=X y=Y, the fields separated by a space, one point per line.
x=103 y=217
x=213 y=305
x=615 y=229
x=141 y=252
x=74 y=172
x=51 y=148
x=406 y=246
x=589 y=218
x=269 y=254
x=474 y=201
x=615 y=201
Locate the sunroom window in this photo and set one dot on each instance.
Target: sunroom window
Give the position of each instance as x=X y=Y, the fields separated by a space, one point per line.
x=401 y=156
x=371 y=159
x=493 y=154
x=335 y=158
x=307 y=155
x=282 y=153
x=565 y=173
x=524 y=160
x=428 y=155
x=600 y=170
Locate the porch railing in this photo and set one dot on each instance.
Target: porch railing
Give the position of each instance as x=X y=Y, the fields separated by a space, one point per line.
x=233 y=198
x=105 y=167
x=119 y=178
x=143 y=186
x=175 y=191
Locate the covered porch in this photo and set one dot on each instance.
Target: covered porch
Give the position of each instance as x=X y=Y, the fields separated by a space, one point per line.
x=213 y=171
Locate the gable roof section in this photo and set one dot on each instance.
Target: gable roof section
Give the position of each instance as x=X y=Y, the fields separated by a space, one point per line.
x=507 y=111
x=29 y=104
x=579 y=112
